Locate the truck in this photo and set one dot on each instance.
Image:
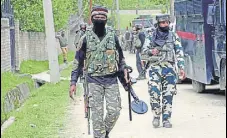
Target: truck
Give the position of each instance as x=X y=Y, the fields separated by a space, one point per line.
x=146 y=23
x=201 y=26
x=146 y=17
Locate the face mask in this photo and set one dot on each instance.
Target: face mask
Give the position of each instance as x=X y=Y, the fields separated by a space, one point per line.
x=99 y=27
x=99 y=23
x=164 y=29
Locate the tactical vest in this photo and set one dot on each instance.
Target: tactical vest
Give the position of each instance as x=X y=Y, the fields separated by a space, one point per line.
x=166 y=52
x=102 y=57
x=136 y=41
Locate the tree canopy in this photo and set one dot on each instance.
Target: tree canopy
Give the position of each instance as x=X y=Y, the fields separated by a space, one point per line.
x=31 y=16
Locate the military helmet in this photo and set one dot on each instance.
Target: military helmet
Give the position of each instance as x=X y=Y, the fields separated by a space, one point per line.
x=161 y=18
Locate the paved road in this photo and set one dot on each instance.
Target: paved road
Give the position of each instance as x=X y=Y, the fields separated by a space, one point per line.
x=194 y=115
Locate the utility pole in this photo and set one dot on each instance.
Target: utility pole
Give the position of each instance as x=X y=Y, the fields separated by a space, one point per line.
x=118 y=15
x=172 y=10
x=51 y=42
x=80 y=6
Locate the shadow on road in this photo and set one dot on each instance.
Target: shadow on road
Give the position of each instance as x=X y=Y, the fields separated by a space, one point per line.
x=214 y=91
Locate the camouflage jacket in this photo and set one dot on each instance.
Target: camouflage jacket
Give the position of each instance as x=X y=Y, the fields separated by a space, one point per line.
x=178 y=51
x=80 y=56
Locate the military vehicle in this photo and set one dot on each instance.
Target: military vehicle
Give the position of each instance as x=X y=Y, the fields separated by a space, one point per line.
x=201 y=25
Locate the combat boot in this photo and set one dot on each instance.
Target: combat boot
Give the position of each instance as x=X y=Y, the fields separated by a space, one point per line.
x=167 y=124
x=156 y=122
x=107 y=134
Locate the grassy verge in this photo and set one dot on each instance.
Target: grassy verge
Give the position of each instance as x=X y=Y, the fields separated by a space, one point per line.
x=67 y=72
x=34 y=67
x=43 y=114
x=8 y=82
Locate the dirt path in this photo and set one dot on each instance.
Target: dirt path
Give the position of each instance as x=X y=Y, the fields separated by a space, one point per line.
x=194 y=115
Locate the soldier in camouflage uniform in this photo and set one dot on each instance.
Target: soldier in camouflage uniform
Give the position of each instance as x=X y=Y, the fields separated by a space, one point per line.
x=128 y=40
x=79 y=34
x=138 y=42
x=103 y=58
x=165 y=55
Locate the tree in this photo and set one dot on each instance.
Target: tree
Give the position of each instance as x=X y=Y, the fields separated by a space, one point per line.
x=31 y=16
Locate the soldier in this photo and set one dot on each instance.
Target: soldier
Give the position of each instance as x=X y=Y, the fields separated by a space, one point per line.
x=165 y=55
x=103 y=58
x=80 y=33
x=137 y=42
x=128 y=40
x=63 y=44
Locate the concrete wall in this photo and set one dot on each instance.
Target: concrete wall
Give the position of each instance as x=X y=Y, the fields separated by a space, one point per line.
x=28 y=46
x=5 y=46
x=31 y=45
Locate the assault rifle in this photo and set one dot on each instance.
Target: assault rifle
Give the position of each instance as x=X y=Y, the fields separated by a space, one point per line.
x=86 y=99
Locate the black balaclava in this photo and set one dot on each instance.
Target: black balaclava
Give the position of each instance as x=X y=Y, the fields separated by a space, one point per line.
x=161 y=35
x=99 y=25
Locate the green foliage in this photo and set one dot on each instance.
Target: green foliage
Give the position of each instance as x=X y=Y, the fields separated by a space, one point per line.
x=31 y=15
x=34 y=67
x=126 y=5
x=141 y=4
x=163 y=10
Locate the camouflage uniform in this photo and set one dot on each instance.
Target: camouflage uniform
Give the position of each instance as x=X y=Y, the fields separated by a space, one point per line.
x=128 y=41
x=113 y=107
x=103 y=59
x=138 y=42
x=163 y=77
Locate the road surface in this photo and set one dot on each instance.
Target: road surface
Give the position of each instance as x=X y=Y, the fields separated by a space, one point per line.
x=194 y=115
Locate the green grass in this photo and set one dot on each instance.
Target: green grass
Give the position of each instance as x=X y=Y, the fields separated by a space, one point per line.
x=67 y=72
x=45 y=109
x=8 y=82
x=34 y=67
x=126 y=19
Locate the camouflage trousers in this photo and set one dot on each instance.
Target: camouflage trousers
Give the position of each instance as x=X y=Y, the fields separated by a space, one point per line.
x=162 y=87
x=112 y=96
